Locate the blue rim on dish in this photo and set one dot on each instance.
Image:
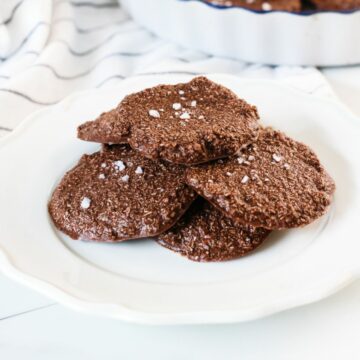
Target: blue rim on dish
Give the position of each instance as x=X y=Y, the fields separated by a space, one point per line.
x=299 y=13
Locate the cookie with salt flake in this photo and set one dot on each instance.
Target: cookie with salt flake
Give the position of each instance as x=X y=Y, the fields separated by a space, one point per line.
x=109 y=127
x=204 y=234
x=116 y=195
x=189 y=123
x=186 y=123
x=337 y=4
x=276 y=183
x=286 y=5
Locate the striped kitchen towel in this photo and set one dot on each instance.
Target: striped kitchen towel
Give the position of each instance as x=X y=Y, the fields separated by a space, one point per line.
x=51 y=48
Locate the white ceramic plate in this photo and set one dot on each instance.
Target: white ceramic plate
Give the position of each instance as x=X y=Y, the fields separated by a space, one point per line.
x=143 y=282
x=275 y=37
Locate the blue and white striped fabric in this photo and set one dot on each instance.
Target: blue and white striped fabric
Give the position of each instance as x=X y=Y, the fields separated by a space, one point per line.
x=51 y=48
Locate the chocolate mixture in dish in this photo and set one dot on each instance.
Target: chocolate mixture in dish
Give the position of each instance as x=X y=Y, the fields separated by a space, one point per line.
x=286 y=5
x=276 y=183
x=109 y=127
x=337 y=4
x=204 y=234
x=116 y=195
x=186 y=123
x=289 y=5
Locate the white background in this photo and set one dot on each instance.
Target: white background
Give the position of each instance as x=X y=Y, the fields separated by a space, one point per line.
x=33 y=327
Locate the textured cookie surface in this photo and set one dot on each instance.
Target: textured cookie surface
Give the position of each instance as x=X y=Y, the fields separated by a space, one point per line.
x=204 y=234
x=287 y=5
x=109 y=127
x=189 y=123
x=116 y=195
x=337 y=4
x=186 y=123
x=276 y=183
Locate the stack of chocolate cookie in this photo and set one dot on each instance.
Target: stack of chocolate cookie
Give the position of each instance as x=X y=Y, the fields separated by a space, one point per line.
x=189 y=165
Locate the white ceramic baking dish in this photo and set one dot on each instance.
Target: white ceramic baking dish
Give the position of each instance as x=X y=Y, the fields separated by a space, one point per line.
x=275 y=37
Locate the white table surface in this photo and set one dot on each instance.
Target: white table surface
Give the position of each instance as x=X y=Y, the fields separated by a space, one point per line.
x=34 y=327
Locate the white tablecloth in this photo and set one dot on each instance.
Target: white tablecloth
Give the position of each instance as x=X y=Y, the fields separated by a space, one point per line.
x=49 y=49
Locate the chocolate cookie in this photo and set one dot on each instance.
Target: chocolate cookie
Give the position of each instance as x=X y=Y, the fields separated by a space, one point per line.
x=109 y=127
x=337 y=4
x=276 y=183
x=286 y=5
x=186 y=123
x=204 y=234
x=117 y=195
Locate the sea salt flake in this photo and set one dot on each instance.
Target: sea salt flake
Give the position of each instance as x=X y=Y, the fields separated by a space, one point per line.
x=154 y=113
x=139 y=170
x=229 y=174
x=240 y=160
x=277 y=157
x=125 y=178
x=181 y=92
x=251 y=158
x=266 y=6
x=185 y=115
x=103 y=165
x=102 y=176
x=245 y=179
x=85 y=203
x=119 y=165
x=193 y=103
x=286 y=166
x=201 y=117
x=177 y=106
